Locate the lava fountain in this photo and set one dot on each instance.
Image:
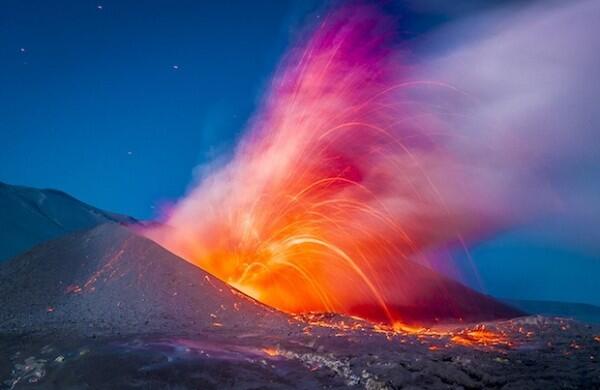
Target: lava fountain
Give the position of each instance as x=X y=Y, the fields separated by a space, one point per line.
x=343 y=181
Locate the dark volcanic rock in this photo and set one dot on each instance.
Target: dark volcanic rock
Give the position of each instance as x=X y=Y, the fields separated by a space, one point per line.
x=541 y=353
x=110 y=281
x=30 y=216
x=108 y=309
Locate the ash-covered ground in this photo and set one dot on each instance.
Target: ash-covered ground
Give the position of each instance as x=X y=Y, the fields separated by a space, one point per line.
x=327 y=352
x=107 y=309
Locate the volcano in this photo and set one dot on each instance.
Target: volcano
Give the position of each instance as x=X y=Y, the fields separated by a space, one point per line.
x=108 y=308
x=110 y=280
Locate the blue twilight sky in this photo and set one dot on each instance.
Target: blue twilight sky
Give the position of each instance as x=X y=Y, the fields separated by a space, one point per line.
x=116 y=102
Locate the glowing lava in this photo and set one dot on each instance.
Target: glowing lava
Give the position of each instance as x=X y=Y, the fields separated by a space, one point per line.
x=337 y=187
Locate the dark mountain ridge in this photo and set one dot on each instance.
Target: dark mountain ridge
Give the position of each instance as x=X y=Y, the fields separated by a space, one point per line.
x=30 y=216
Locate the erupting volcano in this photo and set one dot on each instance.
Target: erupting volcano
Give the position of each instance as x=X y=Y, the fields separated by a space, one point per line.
x=344 y=181
x=401 y=164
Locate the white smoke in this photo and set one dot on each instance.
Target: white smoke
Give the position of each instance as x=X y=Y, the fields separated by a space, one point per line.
x=534 y=119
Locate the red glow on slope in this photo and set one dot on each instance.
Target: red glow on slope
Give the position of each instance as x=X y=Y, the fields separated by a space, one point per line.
x=337 y=184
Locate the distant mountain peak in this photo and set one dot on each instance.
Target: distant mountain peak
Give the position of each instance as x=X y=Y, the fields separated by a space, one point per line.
x=30 y=216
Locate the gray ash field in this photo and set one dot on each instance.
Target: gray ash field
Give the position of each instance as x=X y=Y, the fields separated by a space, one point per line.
x=107 y=309
x=528 y=353
x=108 y=280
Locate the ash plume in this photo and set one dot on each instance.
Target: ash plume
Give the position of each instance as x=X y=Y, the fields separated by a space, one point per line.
x=365 y=157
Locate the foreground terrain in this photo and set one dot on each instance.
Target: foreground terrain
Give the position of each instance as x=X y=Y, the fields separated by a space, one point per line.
x=107 y=309
x=326 y=352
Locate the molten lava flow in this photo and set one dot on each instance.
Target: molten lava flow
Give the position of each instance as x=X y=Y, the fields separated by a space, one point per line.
x=336 y=188
x=481 y=336
x=271 y=351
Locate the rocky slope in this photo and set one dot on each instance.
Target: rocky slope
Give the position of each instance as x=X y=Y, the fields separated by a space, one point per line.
x=526 y=353
x=108 y=280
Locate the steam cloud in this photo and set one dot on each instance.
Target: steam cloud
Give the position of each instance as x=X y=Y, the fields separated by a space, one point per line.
x=363 y=157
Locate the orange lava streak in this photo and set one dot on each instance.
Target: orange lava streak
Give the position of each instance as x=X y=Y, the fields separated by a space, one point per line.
x=270 y=351
x=481 y=337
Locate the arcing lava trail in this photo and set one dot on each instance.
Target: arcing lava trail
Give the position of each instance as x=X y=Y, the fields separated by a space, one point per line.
x=343 y=180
